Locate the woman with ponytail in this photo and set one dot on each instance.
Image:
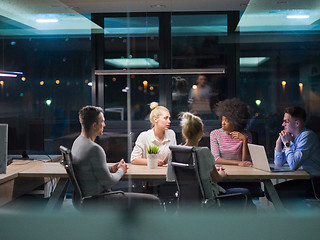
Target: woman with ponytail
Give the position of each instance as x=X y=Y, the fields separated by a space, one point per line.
x=192 y=131
x=159 y=135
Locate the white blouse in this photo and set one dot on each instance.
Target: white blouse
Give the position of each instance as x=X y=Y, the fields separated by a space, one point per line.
x=147 y=138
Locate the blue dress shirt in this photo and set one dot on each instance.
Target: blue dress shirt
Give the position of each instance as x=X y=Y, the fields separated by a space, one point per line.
x=303 y=152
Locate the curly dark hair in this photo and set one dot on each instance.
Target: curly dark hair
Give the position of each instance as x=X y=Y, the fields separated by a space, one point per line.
x=235 y=111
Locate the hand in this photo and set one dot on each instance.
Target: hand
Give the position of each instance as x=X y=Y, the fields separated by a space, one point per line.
x=161 y=162
x=238 y=135
x=115 y=167
x=245 y=164
x=122 y=164
x=285 y=136
x=221 y=172
x=219 y=167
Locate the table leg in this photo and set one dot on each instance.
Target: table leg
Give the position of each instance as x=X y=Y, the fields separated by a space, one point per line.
x=58 y=195
x=274 y=197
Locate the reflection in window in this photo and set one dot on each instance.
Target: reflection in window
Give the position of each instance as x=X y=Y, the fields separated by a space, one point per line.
x=289 y=76
x=143 y=35
x=197 y=94
x=47 y=97
x=145 y=89
x=196 y=40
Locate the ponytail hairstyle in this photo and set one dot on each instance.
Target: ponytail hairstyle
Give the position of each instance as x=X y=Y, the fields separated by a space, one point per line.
x=191 y=125
x=156 y=111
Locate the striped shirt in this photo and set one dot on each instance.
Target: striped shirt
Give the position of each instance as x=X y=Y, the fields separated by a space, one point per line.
x=224 y=146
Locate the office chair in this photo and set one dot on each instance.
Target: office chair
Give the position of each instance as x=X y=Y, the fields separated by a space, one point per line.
x=78 y=200
x=190 y=187
x=314 y=201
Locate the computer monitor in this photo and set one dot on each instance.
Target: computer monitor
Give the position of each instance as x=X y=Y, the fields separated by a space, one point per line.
x=25 y=135
x=3 y=147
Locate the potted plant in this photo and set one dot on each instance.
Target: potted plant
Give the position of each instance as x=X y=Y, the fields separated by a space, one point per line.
x=152 y=156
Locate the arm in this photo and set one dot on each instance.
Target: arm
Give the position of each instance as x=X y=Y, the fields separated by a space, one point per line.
x=224 y=161
x=138 y=154
x=216 y=153
x=101 y=169
x=279 y=157
x=302 y=151
x=245 y=140
x=218 y=175
x=207 y=165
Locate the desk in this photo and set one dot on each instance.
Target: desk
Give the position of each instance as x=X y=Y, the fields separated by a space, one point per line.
x=249 y=173
x=11 y=186
x=54 y=169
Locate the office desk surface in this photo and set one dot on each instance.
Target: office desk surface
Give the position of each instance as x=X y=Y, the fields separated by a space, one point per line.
x=236 y=172
x=15 y=168
x=54 y=169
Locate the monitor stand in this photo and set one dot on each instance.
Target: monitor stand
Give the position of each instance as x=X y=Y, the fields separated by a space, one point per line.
x=24 y=156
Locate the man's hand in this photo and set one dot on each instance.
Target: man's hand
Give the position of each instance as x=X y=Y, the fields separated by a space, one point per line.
x=122 y=164
x=285 y=136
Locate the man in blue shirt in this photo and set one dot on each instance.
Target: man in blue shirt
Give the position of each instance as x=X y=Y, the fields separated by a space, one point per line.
x=299 y=147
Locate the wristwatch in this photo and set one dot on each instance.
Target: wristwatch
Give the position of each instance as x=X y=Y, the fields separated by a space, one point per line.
x=287 y=144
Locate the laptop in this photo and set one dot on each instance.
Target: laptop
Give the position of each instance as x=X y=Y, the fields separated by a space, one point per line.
x=260 y=160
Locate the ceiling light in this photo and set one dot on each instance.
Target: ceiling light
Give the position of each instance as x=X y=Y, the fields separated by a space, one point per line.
x=252 y=61
x=132 y=62
x=160 y=71
x=54 y=20
x=9 y=74
x=298 y=16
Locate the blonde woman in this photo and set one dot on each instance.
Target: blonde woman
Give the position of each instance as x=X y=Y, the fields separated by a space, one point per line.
x=192 y=131
x=159 y=135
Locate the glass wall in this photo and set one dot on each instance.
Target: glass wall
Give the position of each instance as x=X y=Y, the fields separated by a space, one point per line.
x=41 y=103
x=279 y=70
x=196 y=40
x=268 y=69
x=130 y=43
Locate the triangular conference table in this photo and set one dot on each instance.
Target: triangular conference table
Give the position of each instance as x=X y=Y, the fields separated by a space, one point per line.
x=139 y=172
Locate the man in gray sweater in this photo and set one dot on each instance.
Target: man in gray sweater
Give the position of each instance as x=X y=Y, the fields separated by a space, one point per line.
x=90 y=165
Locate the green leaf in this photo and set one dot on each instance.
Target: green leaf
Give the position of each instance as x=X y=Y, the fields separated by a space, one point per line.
x=153 y=149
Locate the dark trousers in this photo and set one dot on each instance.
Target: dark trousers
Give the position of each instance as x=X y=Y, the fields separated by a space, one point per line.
x=293 y=192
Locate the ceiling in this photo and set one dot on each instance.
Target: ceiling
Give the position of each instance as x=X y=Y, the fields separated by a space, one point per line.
x=19 y=17
x=100 y=6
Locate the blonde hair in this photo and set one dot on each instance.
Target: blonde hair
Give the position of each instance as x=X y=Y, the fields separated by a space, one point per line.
x=191 y=125
x=156 y=111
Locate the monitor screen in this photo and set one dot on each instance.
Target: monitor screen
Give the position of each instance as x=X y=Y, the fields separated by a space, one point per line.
x=3 y=147
x=24 y=135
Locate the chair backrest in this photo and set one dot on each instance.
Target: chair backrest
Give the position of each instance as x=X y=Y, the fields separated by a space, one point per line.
x=67 y=163
x=185 y=166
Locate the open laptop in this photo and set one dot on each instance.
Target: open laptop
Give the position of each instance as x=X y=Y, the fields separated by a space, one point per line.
x=260 y=160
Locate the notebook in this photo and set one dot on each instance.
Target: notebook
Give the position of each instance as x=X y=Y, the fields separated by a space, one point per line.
x=260 y=160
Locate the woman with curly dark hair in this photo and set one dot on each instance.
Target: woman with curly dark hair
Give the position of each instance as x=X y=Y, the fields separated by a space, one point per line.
x=229 y=144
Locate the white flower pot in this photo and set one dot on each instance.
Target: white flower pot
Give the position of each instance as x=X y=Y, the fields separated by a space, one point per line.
x=152 y=160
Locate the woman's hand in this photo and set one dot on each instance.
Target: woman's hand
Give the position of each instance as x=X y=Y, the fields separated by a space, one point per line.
x=238 y=135
x=161 y=162
x=221 y=171
x=245 y=164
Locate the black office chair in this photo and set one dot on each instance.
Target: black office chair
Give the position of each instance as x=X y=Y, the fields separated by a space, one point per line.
x=190 y=187
x=78 y=199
